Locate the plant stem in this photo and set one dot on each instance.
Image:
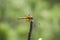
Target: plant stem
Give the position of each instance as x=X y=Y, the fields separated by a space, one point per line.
x=30 y=31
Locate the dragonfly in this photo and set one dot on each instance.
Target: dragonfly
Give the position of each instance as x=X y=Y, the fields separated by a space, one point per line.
x=30 y=20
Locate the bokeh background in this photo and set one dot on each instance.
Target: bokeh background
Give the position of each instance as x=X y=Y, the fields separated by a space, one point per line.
x=46 y=15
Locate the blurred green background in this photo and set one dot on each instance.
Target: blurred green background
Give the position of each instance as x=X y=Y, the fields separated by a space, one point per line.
x=46 y=15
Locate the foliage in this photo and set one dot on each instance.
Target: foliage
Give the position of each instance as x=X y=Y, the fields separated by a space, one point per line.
x=46 y=15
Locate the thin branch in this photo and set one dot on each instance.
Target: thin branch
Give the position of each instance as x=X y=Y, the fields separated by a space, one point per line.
x=30 y=31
